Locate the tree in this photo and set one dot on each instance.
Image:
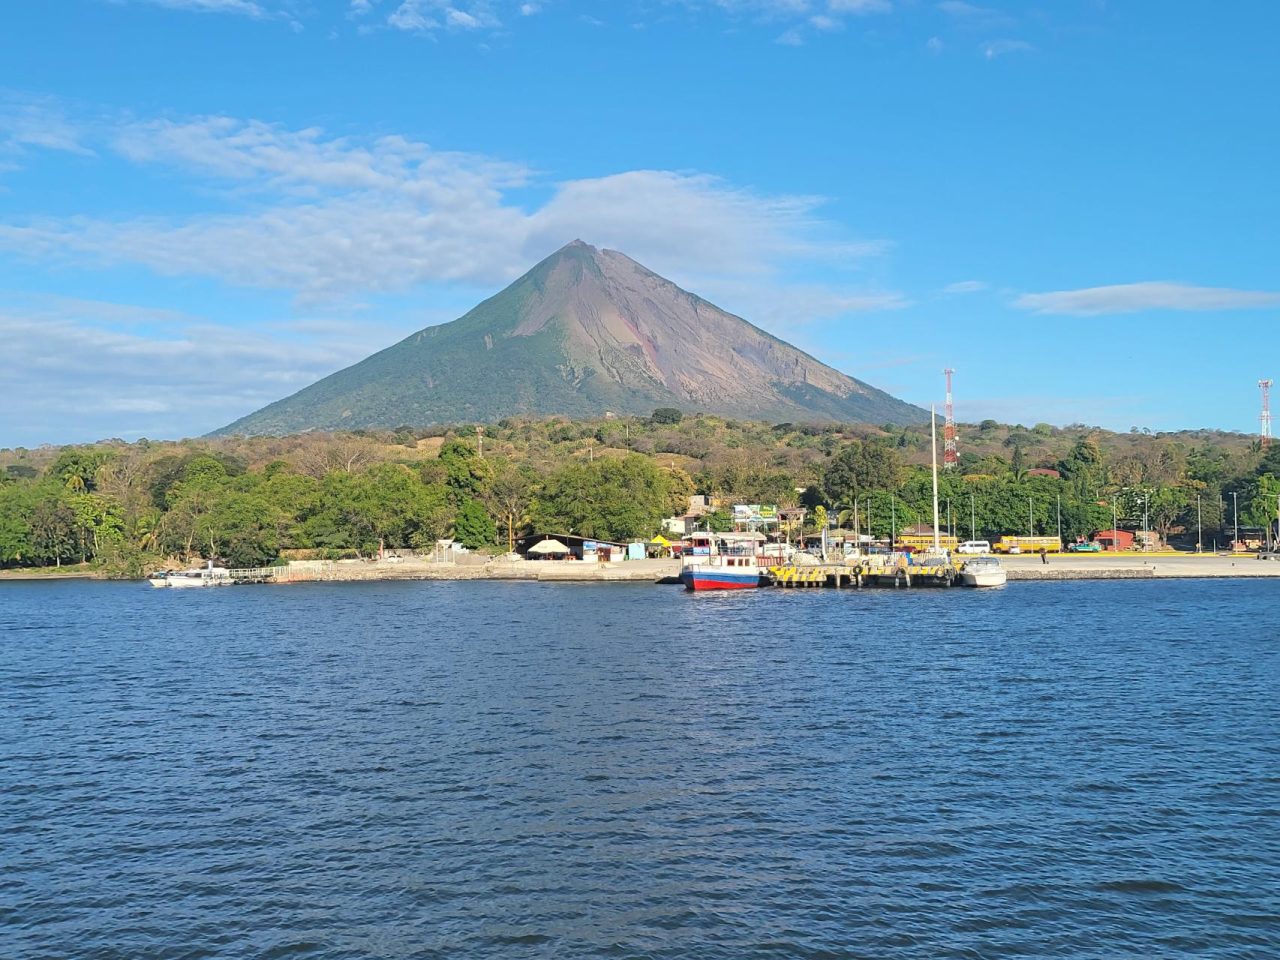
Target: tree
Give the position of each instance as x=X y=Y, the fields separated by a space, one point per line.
x=77 y=468
x=508 y=495
x=860 y=467
x=473 y=527
x=667 y=415
x=1019 y=461
x=609 y=499
x=819 y=517
x=466 y=473
x=53 y=528
x=719 y=521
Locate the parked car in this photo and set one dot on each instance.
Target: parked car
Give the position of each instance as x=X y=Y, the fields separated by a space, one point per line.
x=1084 y=548
x=974 y=546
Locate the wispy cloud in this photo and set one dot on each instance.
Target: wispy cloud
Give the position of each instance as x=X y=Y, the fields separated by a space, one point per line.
x=967 y=286
x=114 y=370
x=435 y=18
x=325 y=217
x=248 y=8
x=973 y=15
x=428 y=16
x=999 y=48
x=35 y=123
x=1136 y=297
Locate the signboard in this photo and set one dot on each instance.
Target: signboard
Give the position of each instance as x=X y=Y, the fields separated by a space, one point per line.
x=755 y=513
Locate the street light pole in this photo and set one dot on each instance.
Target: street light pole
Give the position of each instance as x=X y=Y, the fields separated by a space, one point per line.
x=893 y=520
x=1031 y=516
x=1059 y=518
x=1199 y=527
x=1235 y=518
x=1115 y=534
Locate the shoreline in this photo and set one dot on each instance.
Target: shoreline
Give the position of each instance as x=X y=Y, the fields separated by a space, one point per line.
x=1020 y=569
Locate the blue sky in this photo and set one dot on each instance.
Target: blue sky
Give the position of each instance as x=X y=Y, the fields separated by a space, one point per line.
x=207 y=204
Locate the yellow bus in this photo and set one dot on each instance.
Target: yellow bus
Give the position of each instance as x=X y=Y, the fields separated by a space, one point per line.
x=1009 y=544
x=919 y=544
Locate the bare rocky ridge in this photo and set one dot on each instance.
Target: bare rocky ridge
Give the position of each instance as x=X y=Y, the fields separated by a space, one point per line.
x=584 y=332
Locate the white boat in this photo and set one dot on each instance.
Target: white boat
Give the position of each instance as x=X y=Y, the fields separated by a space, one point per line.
x=209 y=576
x=983 y=572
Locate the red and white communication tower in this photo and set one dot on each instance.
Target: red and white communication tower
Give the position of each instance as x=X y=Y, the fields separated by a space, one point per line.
x=950 y=457
x=1265 y=387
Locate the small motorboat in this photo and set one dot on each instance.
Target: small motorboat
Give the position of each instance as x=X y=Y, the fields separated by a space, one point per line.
x=209 y=576
x=982 y=572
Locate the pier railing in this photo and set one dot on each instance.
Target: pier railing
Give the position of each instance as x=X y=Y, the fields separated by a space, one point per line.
x=254 y=574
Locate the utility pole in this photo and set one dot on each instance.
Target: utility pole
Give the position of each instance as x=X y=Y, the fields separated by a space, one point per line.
x=1115 y=534
x=933 y=447
x=1031 y=516
x=893 y=520
x=1235 y=519
x=951 y=528
x=1059 y=518
x=973 y=518
x=1199 y=527
x=1146 y=525
x=480 y=442
x=1265 y=387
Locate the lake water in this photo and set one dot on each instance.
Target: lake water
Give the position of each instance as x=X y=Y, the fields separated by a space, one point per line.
x=463 y=770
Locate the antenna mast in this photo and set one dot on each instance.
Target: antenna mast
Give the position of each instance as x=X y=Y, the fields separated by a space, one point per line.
x=1265 y=387
x=949 y=455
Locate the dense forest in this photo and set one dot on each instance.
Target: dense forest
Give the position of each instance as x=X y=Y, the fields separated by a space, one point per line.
x=123 y=507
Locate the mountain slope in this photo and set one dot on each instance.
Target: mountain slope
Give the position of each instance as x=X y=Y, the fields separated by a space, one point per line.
x=584 y=332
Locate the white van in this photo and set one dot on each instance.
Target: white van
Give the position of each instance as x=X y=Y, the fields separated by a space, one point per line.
x=974 y=546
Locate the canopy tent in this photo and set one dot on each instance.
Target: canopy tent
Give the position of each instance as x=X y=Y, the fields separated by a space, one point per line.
x=548 y=548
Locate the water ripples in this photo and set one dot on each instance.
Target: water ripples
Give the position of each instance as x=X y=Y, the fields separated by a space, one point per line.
x=531 y=770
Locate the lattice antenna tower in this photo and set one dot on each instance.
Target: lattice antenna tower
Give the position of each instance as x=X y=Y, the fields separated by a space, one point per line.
x=950 y=457
x=1265 y=418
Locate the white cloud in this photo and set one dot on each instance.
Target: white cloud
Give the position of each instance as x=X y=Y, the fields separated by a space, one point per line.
x=1136 y=297
x=27 y=123
x=429 y=16
x=859 y=6
x=334 y=220
x=327 y=217
x=789 y=309
x=968 y=11
x=999 y=48
x=967 y=286
x=249 y=8
x=117 y=370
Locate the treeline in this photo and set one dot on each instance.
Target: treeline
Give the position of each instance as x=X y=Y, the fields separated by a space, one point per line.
x=244 y=500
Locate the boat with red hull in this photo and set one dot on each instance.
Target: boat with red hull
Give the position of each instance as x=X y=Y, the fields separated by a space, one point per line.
x=714 y=576
x=711 y=563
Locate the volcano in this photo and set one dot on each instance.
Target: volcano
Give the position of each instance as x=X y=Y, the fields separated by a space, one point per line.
x=585 y=332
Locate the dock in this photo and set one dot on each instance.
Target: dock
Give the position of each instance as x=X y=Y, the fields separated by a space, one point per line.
x=857 y=575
